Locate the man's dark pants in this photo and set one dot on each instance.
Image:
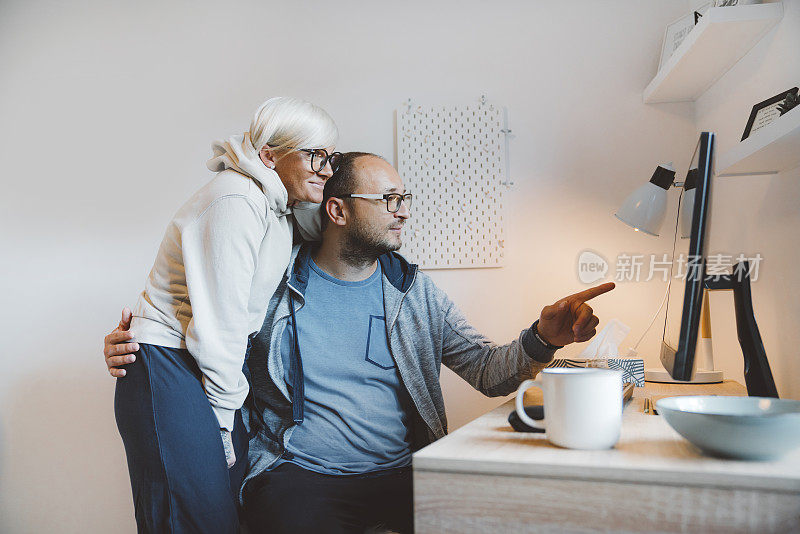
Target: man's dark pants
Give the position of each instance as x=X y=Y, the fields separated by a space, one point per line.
x=290 y=499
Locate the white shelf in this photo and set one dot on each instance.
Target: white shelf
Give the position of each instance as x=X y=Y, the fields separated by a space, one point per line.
x=722 y=37
x=772 y=149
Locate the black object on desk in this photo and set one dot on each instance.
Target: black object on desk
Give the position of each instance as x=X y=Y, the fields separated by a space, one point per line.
x=535 y=412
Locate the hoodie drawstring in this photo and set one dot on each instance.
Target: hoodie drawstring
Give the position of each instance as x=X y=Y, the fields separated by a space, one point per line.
x=296 y=369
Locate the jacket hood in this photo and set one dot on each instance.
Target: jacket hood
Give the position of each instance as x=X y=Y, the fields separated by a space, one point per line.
x=395 y=268
x=237 y=153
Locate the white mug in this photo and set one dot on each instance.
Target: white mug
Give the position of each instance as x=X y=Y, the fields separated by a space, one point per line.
x=582 y=406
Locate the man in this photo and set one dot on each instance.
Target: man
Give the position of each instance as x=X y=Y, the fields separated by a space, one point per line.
x=344 y=373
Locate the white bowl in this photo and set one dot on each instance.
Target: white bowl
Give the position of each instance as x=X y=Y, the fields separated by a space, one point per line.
x=752 y=428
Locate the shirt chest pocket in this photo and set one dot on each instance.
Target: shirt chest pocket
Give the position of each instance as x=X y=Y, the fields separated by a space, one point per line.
x=377 y=344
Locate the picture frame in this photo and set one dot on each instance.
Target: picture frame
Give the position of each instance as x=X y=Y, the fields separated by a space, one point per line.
x=674 y=35
x=731 y=3
x=700 y=11
x=765 y=112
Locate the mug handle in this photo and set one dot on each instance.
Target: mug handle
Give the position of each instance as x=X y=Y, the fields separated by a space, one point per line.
x=525 y=386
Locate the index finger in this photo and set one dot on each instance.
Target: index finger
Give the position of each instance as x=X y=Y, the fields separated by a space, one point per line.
x=592 y=292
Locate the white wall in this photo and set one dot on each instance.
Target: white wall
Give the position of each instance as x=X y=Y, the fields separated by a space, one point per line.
x=108 y=109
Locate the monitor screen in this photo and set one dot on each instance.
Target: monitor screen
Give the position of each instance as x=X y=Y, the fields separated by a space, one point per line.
x=684 y=302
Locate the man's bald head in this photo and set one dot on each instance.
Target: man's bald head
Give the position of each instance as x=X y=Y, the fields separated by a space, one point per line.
x=359 y=229
x=346 y=178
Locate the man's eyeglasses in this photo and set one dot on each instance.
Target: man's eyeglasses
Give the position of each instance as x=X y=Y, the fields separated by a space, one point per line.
x=320 y=157
x=392 y=200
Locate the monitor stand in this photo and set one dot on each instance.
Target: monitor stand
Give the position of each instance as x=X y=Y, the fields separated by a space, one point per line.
x=700 y=377
x=757 y=373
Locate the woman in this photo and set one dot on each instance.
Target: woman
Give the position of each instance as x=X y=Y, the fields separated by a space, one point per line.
x=221 y=258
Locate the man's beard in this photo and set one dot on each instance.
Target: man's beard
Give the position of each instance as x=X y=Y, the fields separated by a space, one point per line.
x=363 y=244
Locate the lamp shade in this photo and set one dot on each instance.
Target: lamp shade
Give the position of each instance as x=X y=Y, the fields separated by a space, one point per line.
x=644 y=209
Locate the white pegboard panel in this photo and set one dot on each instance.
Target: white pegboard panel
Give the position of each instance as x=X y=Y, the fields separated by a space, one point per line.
x=452 y=159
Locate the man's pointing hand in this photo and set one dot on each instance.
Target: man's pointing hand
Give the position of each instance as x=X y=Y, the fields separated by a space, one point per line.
x=571 y=319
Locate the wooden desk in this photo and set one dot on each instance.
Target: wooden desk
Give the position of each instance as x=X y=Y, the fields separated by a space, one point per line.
x=485 y=477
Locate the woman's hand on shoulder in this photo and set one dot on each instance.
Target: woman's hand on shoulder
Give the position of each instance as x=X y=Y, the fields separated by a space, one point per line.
x=118 y=351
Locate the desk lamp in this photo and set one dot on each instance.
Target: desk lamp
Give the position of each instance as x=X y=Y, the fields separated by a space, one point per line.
x=644 y=209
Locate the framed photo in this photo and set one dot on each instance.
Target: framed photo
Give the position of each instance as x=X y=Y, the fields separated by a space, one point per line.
x=674 y=35
x=728 y=3
x=765 y=112
x=700 y=11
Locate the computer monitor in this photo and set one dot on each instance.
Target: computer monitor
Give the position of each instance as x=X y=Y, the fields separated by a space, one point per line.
x=687 y=275
x=688 y=282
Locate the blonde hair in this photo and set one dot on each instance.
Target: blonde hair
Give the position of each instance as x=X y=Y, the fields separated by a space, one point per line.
x=290 y=123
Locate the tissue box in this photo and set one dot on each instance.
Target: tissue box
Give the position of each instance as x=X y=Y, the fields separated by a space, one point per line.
x=632 y=369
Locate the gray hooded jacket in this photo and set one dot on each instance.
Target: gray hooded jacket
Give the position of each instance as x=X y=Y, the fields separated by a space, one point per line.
x=425 y=329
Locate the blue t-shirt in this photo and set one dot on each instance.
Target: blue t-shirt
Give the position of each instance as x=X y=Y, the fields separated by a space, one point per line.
x=356 y=408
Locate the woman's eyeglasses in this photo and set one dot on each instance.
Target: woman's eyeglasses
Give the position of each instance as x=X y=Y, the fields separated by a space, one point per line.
x=320 y=157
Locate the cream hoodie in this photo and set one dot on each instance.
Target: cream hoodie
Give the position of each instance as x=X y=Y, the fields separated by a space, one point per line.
x=222 y=257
